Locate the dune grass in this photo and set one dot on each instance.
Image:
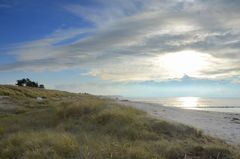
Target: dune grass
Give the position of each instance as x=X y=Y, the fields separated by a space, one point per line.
x=21 y=92
x=81 y=126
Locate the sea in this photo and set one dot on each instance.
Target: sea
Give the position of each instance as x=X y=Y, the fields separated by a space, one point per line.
x=230 y=105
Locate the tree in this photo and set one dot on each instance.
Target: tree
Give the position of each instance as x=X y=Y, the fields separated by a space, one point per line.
x=30 y=83
x=19 y=83
x=41 y=86
x=27 y=82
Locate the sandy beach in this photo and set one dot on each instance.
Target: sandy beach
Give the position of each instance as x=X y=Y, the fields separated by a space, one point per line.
x=225 y=126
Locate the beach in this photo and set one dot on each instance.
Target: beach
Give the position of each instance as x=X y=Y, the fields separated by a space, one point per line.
x=58 y=124
x=222 y=125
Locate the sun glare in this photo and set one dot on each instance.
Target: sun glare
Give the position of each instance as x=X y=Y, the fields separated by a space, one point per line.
x=184 y=62
x=189 y=102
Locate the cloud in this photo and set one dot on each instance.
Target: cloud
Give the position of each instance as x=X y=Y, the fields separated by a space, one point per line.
x=104 y=12
x=130 y=36
x=187 y=86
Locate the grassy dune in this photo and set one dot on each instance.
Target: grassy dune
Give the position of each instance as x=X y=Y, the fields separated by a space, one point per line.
x=81 y=126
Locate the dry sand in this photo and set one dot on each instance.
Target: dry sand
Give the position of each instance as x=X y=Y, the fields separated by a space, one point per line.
x=225 y=126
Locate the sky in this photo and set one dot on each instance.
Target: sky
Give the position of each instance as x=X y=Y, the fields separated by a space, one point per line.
x=133 y=48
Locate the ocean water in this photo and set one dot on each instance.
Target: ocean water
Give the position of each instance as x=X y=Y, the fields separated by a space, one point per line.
x=231 y=105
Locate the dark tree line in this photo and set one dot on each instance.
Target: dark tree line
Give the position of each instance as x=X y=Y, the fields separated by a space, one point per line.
x=27 y=82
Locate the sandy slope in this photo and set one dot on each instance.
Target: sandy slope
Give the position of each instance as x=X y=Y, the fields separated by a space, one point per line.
x=225 y=126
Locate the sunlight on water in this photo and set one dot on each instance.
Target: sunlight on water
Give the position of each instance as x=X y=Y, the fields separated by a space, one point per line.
x=197 y=103
x=188 y=102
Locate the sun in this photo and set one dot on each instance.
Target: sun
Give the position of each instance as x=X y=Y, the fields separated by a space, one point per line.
x=183 y=63
x=189 y=102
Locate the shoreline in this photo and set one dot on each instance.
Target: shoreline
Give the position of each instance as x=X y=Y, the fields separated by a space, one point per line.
x=222 y=125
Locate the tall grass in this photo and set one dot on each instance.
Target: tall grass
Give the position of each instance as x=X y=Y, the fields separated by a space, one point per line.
x=86 y=127
x=31 y=92
x=39 y=145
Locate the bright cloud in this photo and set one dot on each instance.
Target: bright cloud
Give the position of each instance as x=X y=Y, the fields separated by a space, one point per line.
x=142 y=40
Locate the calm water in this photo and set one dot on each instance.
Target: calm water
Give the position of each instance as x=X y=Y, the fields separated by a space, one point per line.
x=209 y=104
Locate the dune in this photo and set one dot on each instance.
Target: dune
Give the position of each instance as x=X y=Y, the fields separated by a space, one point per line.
x=225 y=126
x=40 y=123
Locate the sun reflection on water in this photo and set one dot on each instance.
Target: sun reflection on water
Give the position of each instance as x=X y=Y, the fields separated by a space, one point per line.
x=189 y=102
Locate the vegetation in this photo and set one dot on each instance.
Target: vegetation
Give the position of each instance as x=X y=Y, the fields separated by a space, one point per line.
x=81 y=126
x=27 y=82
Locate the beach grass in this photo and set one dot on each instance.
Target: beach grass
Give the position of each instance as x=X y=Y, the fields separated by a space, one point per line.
x=82 y=126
